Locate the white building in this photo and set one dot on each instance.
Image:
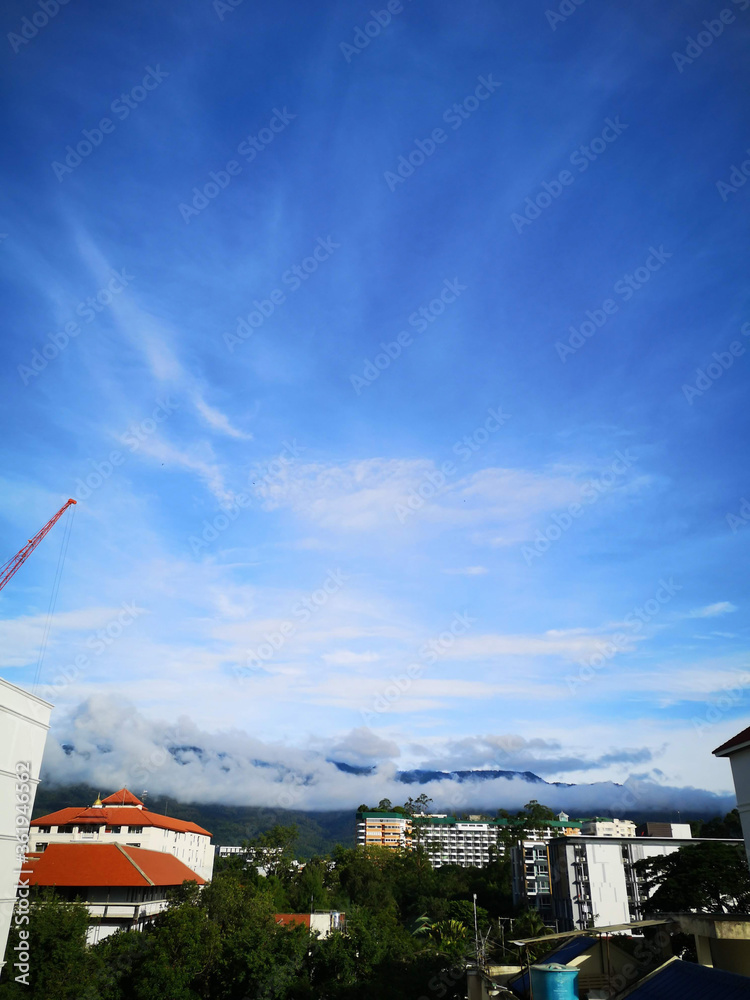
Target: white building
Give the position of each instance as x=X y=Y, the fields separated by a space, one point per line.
x=24 y=722
x=594 y=882
x=738 y=751
x=448 y=840
x=599 y=827
x=122 y=819
x=226 y=851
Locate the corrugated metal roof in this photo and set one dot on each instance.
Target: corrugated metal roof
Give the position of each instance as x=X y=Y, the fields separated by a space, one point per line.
x=678 y=980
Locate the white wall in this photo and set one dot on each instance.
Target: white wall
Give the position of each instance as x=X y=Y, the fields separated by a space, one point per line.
x=24 y=722
x=193 y=849
x=609 y=897
x=740 y=762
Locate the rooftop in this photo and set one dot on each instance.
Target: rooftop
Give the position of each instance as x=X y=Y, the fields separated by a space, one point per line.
x=82 y=865
x=122 y=808
x=738 y=742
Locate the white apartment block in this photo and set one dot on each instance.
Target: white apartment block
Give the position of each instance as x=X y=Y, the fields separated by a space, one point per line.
x=24 y=722
x=594 y=882
x=448 y=840
x=609 y=828
x=122 y=818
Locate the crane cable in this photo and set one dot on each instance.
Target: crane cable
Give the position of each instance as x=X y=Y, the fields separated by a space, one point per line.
x=53 y=598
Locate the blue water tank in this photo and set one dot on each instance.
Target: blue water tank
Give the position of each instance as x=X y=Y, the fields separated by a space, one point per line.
x=554 y=982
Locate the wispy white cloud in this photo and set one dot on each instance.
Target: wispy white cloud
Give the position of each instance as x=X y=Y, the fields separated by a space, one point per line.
x=713 y=610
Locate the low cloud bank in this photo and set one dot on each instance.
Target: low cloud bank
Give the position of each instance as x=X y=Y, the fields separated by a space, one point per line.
x=107 y=743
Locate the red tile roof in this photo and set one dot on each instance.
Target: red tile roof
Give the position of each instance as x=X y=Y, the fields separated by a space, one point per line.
x=106 y=865
x=736 y=743
x=122 y=798
x=118 y=816
x=289 y=919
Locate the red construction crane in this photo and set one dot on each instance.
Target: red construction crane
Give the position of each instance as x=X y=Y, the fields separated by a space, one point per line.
x=13 y=565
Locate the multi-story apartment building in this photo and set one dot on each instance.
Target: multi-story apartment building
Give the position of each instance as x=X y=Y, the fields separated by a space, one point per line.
x=530 y=868
x=123 y=819
x=383 y=829
x=599 y=827
x=448 y=840
x=593 y=879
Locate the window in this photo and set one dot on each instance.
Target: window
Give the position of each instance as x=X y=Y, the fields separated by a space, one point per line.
x=43 y=829
x=65 y=829
x=40 y=847
x=113 y=829
x=135 y=829
x=133 y=845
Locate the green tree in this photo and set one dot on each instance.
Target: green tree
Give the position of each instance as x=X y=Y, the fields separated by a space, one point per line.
x=61 y=967
x=702 y=877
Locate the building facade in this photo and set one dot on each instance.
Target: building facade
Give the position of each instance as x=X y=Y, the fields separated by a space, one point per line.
x=738 y=751
x=122 y=819
x=383 y=829
x=530 y=867
x=593 y=879
x=24 y=722
x=449 y=840
x=599 y=827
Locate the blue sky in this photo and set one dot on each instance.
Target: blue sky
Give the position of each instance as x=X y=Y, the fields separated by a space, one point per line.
x=293 y=515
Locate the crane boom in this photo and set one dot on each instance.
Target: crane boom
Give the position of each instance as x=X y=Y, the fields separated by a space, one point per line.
x=16 y=562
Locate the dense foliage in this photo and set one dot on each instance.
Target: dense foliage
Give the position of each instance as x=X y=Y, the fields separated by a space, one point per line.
x=409 y=927
x=409 y=931
x=707 y=877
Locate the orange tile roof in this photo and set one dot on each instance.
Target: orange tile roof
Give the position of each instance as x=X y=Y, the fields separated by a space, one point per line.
x=289 y=919
x=118 y=816
x=123 y=797
x=106 y=865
